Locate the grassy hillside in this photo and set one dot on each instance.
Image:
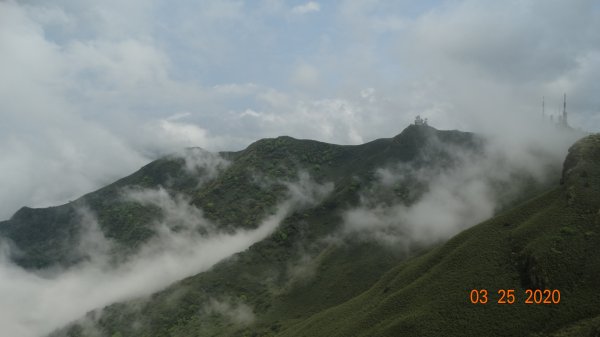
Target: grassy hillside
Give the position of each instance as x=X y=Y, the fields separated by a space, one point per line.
x=264 y=277
x=233 y=197
x=338 y=282
x=298 y=280
x=49 y=236
x=550 y=242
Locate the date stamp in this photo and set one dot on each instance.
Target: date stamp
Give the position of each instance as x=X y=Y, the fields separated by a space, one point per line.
x=508 y=296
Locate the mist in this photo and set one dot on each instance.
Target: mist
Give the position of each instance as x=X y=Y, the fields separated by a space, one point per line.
x=35 y=303
x=445 y=199
x=90 y=93
x=234 y=311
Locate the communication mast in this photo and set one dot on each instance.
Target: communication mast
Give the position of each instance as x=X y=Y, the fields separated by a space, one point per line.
x=564 y=116
x=543 y=108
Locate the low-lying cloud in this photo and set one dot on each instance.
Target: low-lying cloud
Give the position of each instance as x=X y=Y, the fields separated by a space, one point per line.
x=235 y=311
x=90 y=93
x=437 y=202
x=185 y=244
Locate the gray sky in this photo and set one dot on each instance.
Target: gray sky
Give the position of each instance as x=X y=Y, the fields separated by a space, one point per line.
x=90 y=91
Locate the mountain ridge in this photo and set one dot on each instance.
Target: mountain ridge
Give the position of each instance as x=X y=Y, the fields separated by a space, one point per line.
x=309 y=265
x=538 y=261
x=286 y=155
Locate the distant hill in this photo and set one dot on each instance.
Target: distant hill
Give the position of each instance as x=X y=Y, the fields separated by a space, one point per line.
x=305 y=279
x=233 y=197
x=549 y=242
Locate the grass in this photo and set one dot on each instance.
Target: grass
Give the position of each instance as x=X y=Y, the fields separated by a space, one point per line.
x=547 y=243
x=358 y=288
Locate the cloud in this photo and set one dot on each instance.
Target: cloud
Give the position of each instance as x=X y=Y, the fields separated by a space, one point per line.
x=50 y=152
x=83 y=106
x=300 y=270
x=305 y=76
x=332 y=120
x=91 y=92
x=180 y=133
x=426 y=203
x=235 y=311
x=185 y=244
x=103 y=80
x=513 y=54
x=204 y=163
x=309 y=7
x=368 y=94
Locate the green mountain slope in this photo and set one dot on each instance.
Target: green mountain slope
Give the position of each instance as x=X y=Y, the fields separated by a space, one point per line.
x=296 y=274
x=285 y=284
x=233 y=197
x=236 y=198
x=49 y=236
x=550 y=242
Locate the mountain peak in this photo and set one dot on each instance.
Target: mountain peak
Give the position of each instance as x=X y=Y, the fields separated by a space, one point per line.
x=414 y=128
x=416 y=133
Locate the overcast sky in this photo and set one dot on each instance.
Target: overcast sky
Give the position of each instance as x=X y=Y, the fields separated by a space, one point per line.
x=92 y=90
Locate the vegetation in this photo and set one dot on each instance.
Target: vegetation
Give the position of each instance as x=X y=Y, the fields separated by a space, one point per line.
x=301 y=282
x=239 y=196
x=547 y=243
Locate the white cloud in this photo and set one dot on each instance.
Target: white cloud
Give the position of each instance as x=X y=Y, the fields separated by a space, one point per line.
x=237 y=312
x=494 y=62
x=368 y=94
x=332 y=120
x=33 y=305
x=456 y=196
x=90 y=91
x=50 y=152
x=182 y=133
x=305 y=76
x=118 y=73
x=311 y=6
x=120 y=66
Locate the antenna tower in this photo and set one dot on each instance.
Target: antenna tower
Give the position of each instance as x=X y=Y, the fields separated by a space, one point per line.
x=564 y=118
